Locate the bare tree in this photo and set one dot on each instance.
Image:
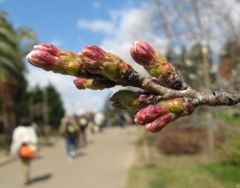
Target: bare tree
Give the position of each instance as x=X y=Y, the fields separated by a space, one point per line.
x=207 y=23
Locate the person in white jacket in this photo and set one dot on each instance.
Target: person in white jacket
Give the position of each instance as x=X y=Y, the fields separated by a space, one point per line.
x=24 y=134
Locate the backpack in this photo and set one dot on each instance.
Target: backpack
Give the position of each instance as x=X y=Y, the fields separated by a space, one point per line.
x=70 y=129
x=27 y=151
x=83 y=122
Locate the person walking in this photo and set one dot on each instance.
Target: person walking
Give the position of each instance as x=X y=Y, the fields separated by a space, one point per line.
x=83 y=124
x=99 y=120
x=70 y=129
x=24 y=146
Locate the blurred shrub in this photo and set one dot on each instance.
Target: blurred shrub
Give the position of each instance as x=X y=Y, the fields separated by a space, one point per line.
x=147 y=138
x=230 y=151
x=177 y=140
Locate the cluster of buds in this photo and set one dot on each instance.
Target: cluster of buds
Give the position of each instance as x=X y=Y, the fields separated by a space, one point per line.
x=94 y=68
x=157 y=65
x=155 y=117
x=162 y=99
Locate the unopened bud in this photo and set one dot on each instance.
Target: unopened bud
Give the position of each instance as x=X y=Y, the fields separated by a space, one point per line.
x=150 y=113
x=97 y=61
x=80 y=82
x=157 y=65
x=177 y=106
x=93 y=83
x=48 y=48
x=48 y=57
x=92 y=55
x=142 y=52
x=159 y=123
x=43 y=56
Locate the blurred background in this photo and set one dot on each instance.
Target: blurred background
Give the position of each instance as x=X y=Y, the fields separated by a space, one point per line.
x=201 y=38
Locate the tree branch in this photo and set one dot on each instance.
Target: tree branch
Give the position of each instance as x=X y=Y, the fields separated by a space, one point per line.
x=165 y=96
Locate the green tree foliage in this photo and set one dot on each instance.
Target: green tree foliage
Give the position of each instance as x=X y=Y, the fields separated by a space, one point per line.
x=189 y=63
x=35 y=105
x=12 y=79
x=229 y=151
x=55 y=106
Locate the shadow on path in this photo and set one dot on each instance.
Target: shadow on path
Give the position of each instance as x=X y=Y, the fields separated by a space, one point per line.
x=40 y=178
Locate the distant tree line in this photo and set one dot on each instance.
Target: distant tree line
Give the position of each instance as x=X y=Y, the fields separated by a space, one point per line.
x=16 y=100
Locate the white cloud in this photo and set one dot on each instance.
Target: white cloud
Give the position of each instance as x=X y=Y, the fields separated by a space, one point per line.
x=132 y=24
x=40 y=77
x=123 y=27
x=99 y=25
x=74 y=99
x=56 y=41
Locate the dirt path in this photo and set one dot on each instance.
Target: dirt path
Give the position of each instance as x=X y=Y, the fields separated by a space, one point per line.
x=103 y=163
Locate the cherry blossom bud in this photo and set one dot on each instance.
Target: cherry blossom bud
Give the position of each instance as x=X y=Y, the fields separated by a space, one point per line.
x=97 y=61
x=92 y=55
x=159 y=123
x=48 y=48
x=142 y=52
x=80 y=82
x=177 y=106
x=157 y=65
x=48 y=57
x=150 y=113
x=43 y=56
x=93 y=83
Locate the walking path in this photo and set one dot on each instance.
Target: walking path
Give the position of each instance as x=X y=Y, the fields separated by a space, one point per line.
x=104 y=163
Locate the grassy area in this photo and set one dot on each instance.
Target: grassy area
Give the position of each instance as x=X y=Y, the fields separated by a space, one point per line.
x=185 y=176
x=228 y=175
x=185 y=171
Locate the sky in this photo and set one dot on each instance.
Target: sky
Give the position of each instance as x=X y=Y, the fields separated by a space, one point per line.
x=73 y=24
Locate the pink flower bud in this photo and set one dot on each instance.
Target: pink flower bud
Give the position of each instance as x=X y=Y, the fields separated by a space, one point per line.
x=177 y=106
x=142 y=52
x=48 y=57
x=159 y=123
x=92 y=55
x=48 y=48
x=150 y=113
x=80 y=82
x=43 y=56
x=93 y=83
